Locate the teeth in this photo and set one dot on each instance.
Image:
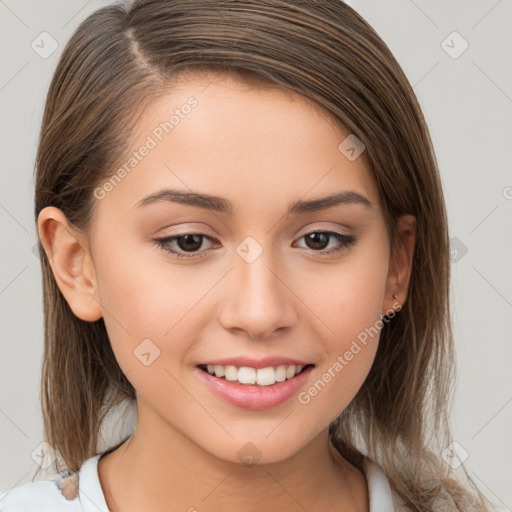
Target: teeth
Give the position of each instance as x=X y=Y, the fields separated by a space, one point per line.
x=231 y=373
x=247 y=375
x=261 y=376
x=280 y=373
x=265 y=376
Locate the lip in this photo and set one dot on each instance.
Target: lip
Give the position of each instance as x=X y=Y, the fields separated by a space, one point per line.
x=251 y=396
x=264 y=362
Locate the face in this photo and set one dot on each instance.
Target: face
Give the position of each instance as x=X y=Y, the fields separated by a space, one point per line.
x=262 y=276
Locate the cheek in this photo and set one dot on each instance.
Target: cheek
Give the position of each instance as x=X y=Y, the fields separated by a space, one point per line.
x=152 y=308
x=348 y=297
x=132 y=300
x=349 y=311
x=140 y=289
x=349 y=345
x=337 y=383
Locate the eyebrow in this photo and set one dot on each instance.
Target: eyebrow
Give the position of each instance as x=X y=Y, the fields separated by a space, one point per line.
x=222 y=205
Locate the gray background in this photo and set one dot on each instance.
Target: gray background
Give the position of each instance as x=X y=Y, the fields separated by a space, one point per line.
x=467 y=101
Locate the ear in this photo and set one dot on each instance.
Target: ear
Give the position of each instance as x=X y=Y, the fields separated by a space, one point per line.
x=400 y=266
x=71 y=262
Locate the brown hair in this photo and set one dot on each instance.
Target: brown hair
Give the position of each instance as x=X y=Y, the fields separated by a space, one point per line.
x=124 y=56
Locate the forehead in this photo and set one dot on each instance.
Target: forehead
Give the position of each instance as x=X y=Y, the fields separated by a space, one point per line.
x=231 y=138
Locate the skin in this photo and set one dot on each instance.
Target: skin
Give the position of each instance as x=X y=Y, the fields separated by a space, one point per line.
x=293 y=300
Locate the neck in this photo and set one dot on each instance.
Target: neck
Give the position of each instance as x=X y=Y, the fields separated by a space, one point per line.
x=160 y=469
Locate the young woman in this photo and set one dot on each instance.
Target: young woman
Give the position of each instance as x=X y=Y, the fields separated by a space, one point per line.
x=243 y=233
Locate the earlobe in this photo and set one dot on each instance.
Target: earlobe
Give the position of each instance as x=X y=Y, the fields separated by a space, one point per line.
x=401 y=263
x=71 y=263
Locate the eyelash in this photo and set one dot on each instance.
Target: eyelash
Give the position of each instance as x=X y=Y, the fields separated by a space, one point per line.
x=347 y=241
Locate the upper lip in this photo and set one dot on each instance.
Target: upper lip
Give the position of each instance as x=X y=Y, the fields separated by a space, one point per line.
x=264 y=362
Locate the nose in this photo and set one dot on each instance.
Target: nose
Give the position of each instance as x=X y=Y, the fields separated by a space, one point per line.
x=258 y=301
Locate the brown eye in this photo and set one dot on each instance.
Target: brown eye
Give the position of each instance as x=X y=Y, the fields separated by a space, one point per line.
x=188 y=245
x=317 y=241
x=189 y=242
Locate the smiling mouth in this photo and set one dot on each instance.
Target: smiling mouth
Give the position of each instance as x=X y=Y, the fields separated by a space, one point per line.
x=251 y=376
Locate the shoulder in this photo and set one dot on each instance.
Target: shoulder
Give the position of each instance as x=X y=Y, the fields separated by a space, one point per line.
x=41 y=496
x=48 y=496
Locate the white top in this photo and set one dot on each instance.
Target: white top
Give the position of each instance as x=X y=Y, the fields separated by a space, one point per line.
x=45 y=495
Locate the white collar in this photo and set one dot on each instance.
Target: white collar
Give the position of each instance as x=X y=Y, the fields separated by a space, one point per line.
x=380 y=495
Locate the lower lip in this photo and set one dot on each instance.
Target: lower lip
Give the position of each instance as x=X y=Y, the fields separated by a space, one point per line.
x=252 y=396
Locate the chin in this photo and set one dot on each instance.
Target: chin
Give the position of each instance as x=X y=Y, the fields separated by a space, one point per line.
x=254 y=451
